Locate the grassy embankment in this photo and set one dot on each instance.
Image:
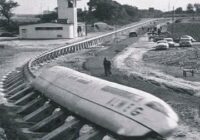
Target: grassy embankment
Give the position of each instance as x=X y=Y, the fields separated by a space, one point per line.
x=192 y=29
x=173 y=60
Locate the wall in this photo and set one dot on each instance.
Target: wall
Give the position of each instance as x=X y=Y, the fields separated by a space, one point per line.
x=31 y=33
x=64 y=12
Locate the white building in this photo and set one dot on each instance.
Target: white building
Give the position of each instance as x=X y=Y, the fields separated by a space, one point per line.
x=65 y=28
x=46 y=31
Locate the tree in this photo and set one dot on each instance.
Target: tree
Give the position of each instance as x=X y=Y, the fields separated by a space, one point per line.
x=6 y=8
x=92 y=4
x=190 y=8
x=179 y=10
x=197 y=7
x=112 y=12
x=49 y=17
x=131 y=11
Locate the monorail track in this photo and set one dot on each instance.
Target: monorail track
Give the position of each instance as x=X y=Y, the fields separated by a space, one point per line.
x=42 y=118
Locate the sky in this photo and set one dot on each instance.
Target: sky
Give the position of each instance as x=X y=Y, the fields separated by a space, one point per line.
x=37 y=6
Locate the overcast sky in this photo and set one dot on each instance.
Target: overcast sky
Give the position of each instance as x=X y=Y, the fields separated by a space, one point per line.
x=37 y=6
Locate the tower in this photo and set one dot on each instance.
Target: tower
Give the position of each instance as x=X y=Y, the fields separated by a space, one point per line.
x=67 y=13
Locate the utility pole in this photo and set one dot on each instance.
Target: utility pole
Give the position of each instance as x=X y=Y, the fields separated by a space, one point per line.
x=173 y=14
x=86 y=13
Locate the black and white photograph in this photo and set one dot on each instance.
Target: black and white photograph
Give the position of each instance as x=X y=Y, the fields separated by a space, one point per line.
x=99 y=69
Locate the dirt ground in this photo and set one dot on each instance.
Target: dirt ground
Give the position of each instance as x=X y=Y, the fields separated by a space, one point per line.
x=90 y=61
x=174 y=60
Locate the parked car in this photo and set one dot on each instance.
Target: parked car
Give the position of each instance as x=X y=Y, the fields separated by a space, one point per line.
x=162 y=45
x=185 y=42
x=7 y=34
x=170 y=42
x=165 y=34
x=132 y=34
x=157 y=38
x=189 y=37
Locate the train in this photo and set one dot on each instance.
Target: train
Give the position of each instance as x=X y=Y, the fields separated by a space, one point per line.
x=122 y=110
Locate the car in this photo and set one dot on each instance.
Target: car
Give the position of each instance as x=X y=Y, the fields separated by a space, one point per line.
x=170 y=42
x=166 y=34
x=151 y=35
x=185 y=42
x=157 y=38
x=162 y=45
x=6 y=34
x=187 y=36
x=132 y=34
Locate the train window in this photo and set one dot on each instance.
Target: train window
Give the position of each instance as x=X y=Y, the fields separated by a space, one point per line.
x=157 y=106
x=122 y=93
x=121 y=104
x=83 y=81
x=117 y=103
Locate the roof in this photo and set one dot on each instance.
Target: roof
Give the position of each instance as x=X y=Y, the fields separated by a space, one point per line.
x=46 y=23
x=79 y=23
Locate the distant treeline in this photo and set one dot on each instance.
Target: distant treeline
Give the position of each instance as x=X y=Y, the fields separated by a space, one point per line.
x=108 y=11
x=113 y=12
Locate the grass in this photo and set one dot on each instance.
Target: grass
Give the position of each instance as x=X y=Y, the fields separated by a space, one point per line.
x=192 y=29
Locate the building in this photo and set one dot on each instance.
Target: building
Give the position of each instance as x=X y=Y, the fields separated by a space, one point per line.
x=46 y=31
x=66 y=26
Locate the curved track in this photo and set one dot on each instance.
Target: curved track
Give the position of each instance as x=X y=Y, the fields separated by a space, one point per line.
x=41 y=118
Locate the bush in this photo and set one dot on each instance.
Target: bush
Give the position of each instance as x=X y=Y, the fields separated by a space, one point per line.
x=12 y=27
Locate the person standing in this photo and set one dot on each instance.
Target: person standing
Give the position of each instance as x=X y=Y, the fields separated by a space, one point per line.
x=109 y=67
x=105 y=65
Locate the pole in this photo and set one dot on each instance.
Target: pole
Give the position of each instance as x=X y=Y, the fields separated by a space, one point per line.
x=173 y=13
x=86 y=28
x=86 y=31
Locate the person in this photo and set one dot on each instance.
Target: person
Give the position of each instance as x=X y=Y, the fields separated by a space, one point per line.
x=79 y=31
x=107 y=66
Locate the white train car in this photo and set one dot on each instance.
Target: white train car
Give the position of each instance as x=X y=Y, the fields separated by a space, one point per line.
x=125 y=111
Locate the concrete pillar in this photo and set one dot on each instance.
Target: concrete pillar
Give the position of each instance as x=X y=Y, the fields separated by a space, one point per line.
x=50 y=123
x=16 y=89
x=26 y=99
x=31 y=106
x=11 y=86
x=11 y=77
x=8 y=78
x=29 y=135
x=11 y=82
x=40 y=113
x=20 y=94
x=68 y=130
x=95 y=135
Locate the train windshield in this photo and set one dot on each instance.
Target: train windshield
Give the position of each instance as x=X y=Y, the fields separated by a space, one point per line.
x=158 y=107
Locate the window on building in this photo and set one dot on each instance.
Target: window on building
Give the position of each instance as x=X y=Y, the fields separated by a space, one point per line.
x=24 y=30
x=48 y=28
x=59 y=36
x=72 y=3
